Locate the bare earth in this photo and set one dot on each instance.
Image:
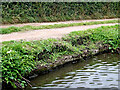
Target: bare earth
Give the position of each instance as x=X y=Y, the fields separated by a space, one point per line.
x=52 y=23
x=46 y=33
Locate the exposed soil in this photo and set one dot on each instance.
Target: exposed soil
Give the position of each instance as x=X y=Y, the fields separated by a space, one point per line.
x=52 y=23
x=46 y=33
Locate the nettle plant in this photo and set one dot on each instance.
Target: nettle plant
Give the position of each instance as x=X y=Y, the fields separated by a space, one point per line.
x=108 y=35
x=16 y=62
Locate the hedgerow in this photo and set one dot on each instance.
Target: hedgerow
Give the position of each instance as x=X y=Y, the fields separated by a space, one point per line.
x=20 y=58
x=22 y=12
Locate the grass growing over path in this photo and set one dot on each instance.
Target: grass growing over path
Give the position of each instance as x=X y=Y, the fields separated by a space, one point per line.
x=19 y=58
x=28 y=27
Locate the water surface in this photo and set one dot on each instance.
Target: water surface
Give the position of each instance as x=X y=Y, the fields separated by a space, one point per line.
x=98 y=72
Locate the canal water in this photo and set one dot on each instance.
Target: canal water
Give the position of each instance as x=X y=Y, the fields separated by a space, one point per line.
x=98 y=72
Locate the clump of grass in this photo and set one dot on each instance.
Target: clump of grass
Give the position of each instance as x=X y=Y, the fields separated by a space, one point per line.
x=9 y=30
x=28 y=27
x=19 y=58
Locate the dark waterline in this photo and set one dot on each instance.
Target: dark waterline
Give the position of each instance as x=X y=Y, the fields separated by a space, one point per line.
x=98 y=72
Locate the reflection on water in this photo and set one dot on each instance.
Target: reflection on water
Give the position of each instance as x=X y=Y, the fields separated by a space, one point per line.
x=99 y=72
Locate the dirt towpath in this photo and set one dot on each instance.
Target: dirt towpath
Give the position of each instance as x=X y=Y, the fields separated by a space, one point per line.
x=46 y=33
x=52 y=23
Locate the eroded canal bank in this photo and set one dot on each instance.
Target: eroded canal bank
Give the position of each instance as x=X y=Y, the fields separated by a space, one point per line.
x=21 y=60
x=101 y=71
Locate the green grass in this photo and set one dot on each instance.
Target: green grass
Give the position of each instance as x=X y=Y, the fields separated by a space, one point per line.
x=28 y=27
x=19 y=58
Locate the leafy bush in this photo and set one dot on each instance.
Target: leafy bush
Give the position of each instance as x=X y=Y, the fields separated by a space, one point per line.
x=16 y=62
x=22 y=12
